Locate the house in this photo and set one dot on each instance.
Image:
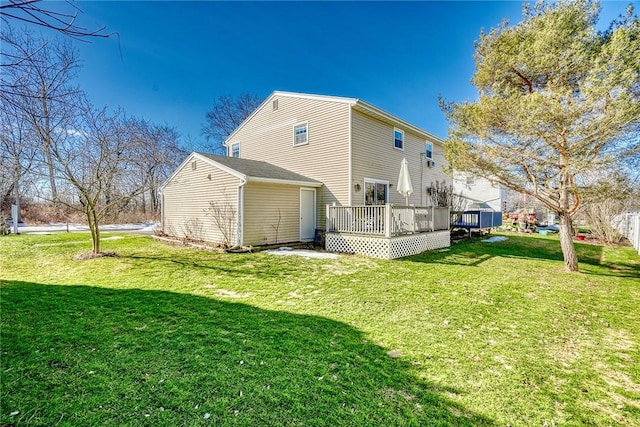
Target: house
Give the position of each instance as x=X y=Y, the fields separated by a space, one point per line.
x=478 y=193
x=303 y=165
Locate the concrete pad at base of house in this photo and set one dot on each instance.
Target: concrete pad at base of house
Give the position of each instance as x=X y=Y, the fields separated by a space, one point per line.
x=287 y=251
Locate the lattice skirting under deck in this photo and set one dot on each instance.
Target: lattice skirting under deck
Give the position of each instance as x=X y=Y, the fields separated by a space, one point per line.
x=387 y=248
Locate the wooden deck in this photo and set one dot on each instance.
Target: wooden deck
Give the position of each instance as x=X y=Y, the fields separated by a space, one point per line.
x=386 y=231
x=476 y=219
x=386 y=220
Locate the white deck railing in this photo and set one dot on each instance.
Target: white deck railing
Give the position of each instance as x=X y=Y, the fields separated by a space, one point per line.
x=386 y=220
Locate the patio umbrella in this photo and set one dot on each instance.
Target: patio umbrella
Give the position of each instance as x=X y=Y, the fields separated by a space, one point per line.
x=404 y=181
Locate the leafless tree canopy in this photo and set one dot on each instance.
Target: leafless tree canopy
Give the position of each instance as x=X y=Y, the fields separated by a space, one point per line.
x=158 y=156
x=609 y=195
x=70 y=153
x=36 y=12
x=223 y=215
x=225 y=116
x=41 y=89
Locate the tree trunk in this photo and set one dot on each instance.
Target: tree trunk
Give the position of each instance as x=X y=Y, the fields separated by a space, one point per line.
x=52 y=176
x=155 y=201
x=566 y=242
x=94 y=229
x=47 y=146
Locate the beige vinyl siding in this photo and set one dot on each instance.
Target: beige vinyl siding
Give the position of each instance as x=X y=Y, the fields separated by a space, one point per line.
x=263 y=205
x=374 y=157
x=268 y=136
x=187 y=195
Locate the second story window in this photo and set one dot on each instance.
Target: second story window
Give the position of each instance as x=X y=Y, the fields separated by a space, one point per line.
x=428 y=151
x=398 y=139
x=301 y=134
x=235 y=150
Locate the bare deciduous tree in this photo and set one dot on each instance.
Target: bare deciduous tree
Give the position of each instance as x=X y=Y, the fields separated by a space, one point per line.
x=225 y=116
x=442 y=195
x=609 y=196
x=159 y=155
x=17 y=154
x=223 y=215
x=34 y=12
x=97 y=159
x=41 y=88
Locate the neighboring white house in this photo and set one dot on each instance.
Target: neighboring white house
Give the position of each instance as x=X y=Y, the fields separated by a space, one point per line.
x=338 y=160
x=478 y=193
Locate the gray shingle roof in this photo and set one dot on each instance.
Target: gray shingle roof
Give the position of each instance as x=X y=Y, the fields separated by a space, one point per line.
x=258 y=169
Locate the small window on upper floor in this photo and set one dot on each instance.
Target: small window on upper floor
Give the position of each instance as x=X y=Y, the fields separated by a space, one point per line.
x=398 y=139
x=471 y=180
x=275 y=104
x=428 y=150
x=235 y=150
x=193 y=165
x=301 y=134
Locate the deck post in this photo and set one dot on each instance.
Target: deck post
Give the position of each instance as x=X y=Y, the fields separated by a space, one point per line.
x=387 y=220
x=415 y=223
x=433 y=218
x=328 y=225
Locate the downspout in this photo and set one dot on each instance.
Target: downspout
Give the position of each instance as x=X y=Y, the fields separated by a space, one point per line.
x=422 y=188
x=239 y=236
x=350 y=202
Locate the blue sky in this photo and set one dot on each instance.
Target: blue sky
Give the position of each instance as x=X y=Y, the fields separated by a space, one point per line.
x=171 y=60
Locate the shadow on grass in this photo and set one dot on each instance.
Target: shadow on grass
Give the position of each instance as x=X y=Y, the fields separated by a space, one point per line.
x=475 y=252
x=80 y=355
x=233 y=265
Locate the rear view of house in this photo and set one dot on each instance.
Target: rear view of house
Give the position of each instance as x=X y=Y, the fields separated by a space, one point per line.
x=294 y=162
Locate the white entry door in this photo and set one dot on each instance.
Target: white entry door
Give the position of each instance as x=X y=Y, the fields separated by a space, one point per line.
x=307 y=214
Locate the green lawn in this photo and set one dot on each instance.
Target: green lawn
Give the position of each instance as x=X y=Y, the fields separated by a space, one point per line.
x=483 y=334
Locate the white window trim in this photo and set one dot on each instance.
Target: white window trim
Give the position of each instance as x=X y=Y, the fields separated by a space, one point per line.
x=306 y=124
x=231 y=149
x=375 y=181
x=394 y=138
x=425 y=150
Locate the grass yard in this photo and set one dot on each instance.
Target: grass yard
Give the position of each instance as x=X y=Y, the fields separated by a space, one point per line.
x=484 y=334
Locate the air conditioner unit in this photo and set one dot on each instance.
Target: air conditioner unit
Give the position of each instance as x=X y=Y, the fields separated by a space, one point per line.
x=430 y=163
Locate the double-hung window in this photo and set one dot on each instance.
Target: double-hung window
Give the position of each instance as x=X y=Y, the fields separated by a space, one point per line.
x=398 y=139
x=301 y=134
x=428 y=150
x=235 y=150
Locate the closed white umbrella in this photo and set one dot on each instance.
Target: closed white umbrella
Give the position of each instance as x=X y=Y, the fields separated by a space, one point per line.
x=404 y=181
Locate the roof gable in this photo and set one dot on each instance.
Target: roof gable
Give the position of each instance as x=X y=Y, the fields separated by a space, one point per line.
x=355 y=103
x=249 y=170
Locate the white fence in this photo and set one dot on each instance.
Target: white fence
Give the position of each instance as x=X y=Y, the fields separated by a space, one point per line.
x=629 y=226
x=386 y=220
